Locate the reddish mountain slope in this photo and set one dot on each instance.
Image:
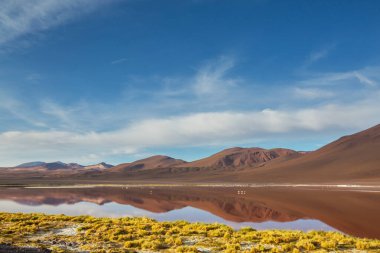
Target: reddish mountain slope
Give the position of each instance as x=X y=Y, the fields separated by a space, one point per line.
x=351 y=158
x=152 y=162
x=241 y=157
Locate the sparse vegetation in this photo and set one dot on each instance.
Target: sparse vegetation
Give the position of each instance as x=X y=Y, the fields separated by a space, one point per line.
x=61 y=233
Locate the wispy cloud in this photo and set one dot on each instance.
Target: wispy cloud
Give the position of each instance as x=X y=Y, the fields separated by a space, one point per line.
x=312 y=93
x=364 y=79
x=212 y=85
x=83 y=115
x=63 y=114
x=118 y=61
x=18 y=110
x=211 y=79
x=364 y=76
x=319 y=54
x=20 y=18
x=316 y=56
x=34 y=77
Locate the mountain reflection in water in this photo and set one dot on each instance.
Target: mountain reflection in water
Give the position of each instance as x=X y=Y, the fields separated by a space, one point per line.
x=352 y=212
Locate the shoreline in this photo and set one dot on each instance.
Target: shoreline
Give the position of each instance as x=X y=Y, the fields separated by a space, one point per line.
x=216 y=185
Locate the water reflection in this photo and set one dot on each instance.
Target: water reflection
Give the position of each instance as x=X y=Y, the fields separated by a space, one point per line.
x=352 y=212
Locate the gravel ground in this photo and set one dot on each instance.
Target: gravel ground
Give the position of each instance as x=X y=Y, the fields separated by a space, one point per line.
x=11 y=249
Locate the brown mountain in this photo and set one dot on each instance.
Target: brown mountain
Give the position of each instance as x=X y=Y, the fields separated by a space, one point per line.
x=241 y=157
x=153 y=162
x=351 y=158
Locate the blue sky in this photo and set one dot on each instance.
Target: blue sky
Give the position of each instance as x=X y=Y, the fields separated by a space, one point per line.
x=91 y=80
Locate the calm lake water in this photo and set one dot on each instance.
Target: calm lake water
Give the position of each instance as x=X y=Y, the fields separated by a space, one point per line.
x=352 y=211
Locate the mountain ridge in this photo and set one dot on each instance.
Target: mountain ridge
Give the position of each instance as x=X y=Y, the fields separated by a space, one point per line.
x=231 y=157
x=152 y=162
x=238 y=157
x=58 y=165
x=352 y=158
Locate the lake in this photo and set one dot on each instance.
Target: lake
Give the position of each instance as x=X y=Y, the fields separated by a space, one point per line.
x=353 y=211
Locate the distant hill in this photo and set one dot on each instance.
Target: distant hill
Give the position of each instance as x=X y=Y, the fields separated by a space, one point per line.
x=153 y=162
x=30 y=164
x=49 y=166
x=241 y=157
x=60 y=166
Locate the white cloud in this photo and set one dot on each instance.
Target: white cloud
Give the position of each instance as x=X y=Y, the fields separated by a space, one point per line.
x=208 y=87
x=20 y=18
x=83 y=115
x=312 y=93
x=65 y=115
x=211 y=80
x=34 y=77
x=118 y=61
x=18 y=110
x=53 y=109
x=316 y=56
x=366 y=77
x=198 y=129
x=363 y=79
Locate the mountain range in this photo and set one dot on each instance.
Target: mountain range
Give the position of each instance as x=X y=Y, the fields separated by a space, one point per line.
x=60 y=166
x=353 y=158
